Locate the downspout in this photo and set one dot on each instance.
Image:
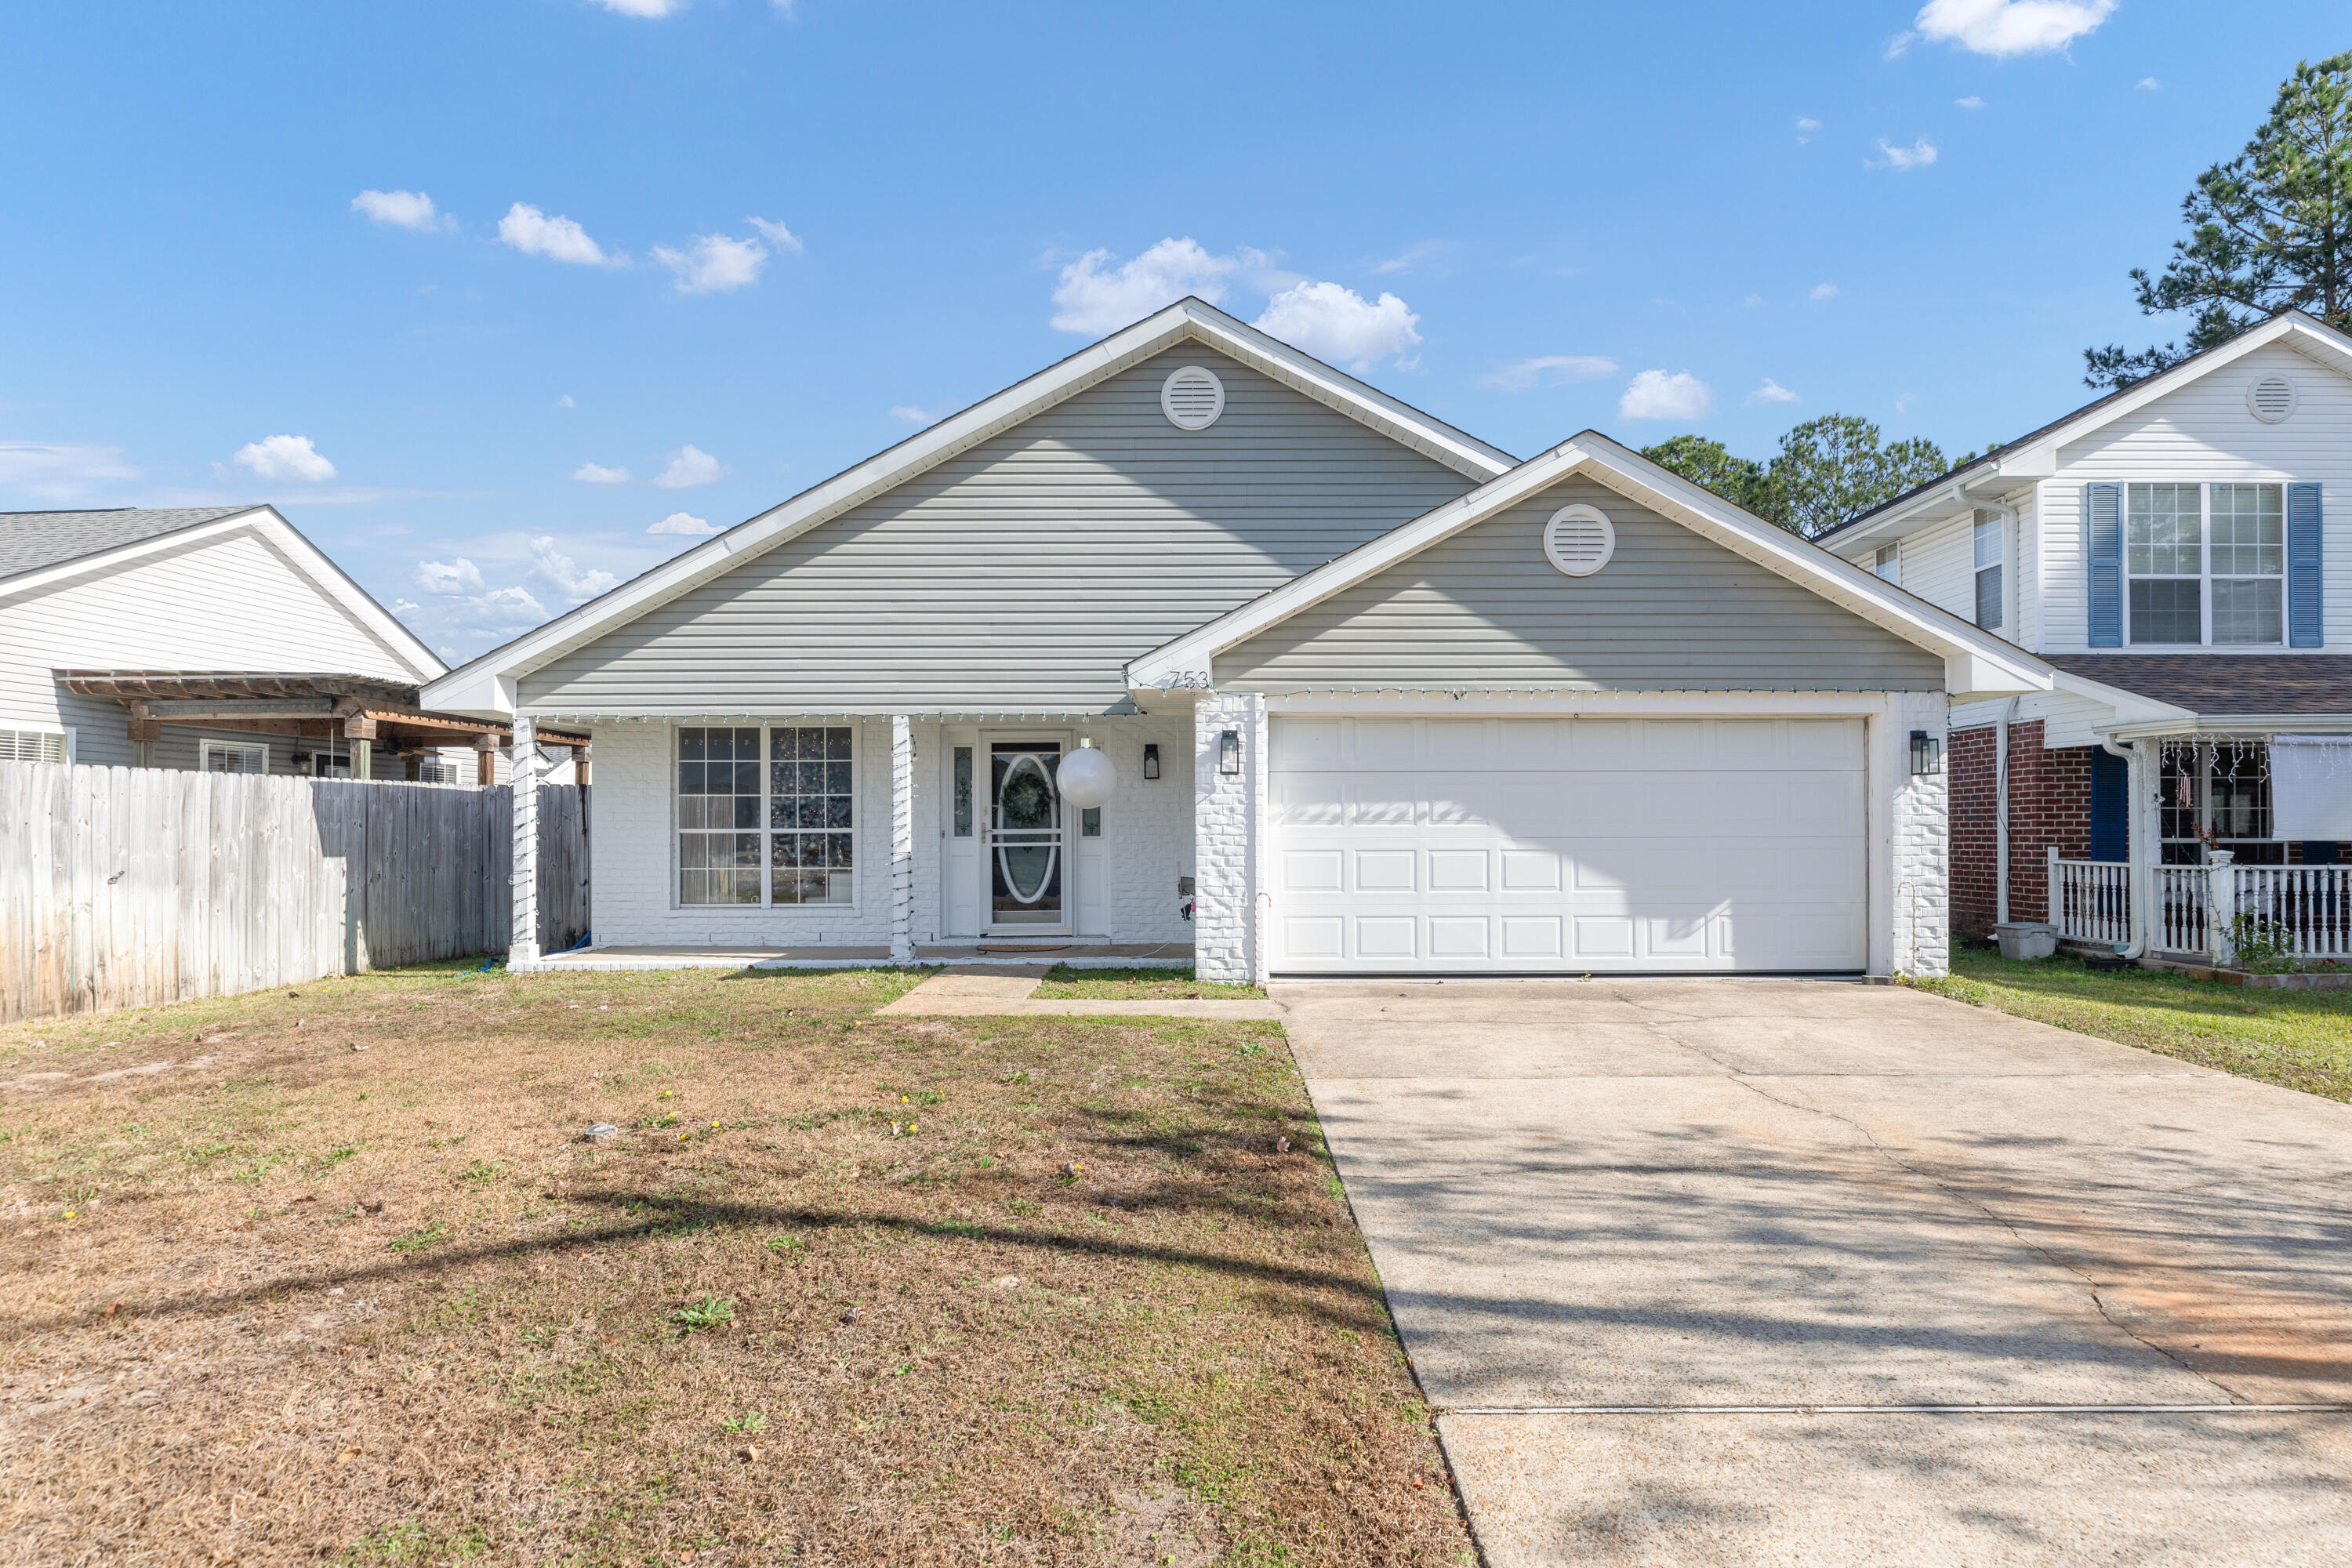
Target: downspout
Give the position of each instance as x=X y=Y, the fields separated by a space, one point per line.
x=2001 y=812
x=2137 y=840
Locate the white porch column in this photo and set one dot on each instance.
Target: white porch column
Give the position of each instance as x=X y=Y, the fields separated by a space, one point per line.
x=522 y=949
x=1228 y=840
x=902 y=840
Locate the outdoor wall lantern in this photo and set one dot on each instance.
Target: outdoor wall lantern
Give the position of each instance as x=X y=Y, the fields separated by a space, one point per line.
x=1152 y=759
x=1926 y=755
x=1229 y=752
x=1086 y=776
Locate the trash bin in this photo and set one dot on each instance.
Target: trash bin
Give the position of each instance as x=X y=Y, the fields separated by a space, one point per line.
x=2026 y=941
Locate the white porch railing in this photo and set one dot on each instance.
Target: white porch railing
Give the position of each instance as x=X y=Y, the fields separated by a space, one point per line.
x=2090 y=900
x=2195 y=906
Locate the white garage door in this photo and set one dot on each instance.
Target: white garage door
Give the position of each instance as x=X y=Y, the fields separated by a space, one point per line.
x=1584 y=845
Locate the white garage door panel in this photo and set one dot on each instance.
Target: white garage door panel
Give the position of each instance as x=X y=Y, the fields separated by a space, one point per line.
x=1519 y=844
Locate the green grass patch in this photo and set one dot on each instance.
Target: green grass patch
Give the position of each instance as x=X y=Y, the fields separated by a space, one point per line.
x=1140 y=985
x=2295 y=1039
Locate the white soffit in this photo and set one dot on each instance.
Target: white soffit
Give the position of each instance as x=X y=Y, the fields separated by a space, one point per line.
x=486 y=685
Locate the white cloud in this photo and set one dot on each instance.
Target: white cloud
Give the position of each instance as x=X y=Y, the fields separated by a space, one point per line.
x=1548 y=370
x=1971 y=102
x=598 y=474
x=57 y=471
x=403 y=209
x=786 y=242
x=533 y=233
x=1654 y=395
x=1336 y=323
x=643 y=7
x=449 y=577
x=1753 y=300
x=511 y=607
x=2003 y=27
x=1095 y=299
x=405 y=607
x=1900 y=45
x=1822 y=291
x=563 y=574
x=565 y=401
x=681 y=522
x=713 y=263
x=1413 y=257
x=1807 y=123
x=1771 y=392
x=908 y=413
x=689 y=466
x=2149 y=84
x=285 y=457
x=1903 y=160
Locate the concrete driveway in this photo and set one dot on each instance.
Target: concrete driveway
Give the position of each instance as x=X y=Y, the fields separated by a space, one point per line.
x=1785 y=1272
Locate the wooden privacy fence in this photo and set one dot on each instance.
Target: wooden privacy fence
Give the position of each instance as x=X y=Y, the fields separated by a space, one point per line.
x=134 y=886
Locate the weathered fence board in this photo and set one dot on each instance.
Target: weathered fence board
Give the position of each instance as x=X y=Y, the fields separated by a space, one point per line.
x=131 y=887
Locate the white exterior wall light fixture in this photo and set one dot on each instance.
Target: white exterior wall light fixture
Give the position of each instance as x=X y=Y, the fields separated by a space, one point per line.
x=1085 y=777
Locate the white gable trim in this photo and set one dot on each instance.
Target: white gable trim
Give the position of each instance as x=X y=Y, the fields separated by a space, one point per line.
x=265 y=523
x=2011 y=471
x=1976 y=662
x=485 y=686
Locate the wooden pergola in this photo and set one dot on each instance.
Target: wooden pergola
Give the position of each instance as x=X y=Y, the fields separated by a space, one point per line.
x=322 y=706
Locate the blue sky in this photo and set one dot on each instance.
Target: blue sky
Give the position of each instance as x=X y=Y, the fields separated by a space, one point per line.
x=728 y=247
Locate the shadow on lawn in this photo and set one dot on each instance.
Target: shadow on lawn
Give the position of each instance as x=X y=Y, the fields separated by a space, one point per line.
x=666 y=1214
x=2068 y=979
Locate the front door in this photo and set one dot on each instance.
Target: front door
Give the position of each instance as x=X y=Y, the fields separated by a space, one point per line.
x=1027 y=850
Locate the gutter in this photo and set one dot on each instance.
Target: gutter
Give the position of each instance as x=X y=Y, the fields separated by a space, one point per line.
x=2001 y=812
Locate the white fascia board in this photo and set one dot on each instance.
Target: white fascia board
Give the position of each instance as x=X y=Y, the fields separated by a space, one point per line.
x=265 y=522
x=472 y=687
x=2234 y=724
x=1998 y=667
x=2128 y=706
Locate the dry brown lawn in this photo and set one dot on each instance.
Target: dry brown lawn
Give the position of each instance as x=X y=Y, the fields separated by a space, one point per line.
x=333 y=1277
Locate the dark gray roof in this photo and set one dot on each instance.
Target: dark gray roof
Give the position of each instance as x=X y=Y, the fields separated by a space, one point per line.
x=2225 y=683
x=32 y=540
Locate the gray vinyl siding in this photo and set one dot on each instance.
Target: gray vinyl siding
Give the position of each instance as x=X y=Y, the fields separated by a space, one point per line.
x=1022 y=574
x=1671 y=610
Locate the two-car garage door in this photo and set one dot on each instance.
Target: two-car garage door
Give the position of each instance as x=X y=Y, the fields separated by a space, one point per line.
x=1469 y=845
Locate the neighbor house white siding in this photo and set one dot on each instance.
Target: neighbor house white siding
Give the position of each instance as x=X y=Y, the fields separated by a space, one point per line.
x=2204 y=432
x=230 y=603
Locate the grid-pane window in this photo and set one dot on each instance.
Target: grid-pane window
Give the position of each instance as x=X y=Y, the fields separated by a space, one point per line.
x=2205 y=564
x=2248 y=532
x=811 y=814
x=1889 y=564
x=719 y=802
x=1988 y=567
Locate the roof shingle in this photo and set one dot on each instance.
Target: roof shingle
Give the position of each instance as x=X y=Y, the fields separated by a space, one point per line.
x=2225 y=683
x=30 y=540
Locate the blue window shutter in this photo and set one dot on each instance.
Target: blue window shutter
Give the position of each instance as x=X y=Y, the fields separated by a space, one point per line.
x=2102 y=519
x=2303 y=553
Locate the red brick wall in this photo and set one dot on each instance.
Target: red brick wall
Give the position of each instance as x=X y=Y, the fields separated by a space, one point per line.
x=2049 y=802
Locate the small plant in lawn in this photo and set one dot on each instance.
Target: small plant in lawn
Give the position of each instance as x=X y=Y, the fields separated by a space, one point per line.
x=753 y=1422
x=710 y=1313
x=480 y=1173
x=423 y=1237
x=2264 y=946
x=790 y=1245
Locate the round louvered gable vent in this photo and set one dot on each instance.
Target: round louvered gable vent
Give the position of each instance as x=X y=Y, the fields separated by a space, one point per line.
x=1192 y=398
x=1580 y=540
x=2271 y=398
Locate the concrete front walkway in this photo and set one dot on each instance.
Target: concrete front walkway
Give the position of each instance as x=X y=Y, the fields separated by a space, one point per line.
x=1785 y=1271
x=1004 y=993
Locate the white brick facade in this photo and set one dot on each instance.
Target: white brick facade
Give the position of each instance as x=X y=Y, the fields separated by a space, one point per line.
x=1919 y=846
x=1229 y=838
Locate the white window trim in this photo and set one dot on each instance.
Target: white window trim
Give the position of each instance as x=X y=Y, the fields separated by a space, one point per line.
x=205 y=748
x=1887 y=563
x=2204 y=578
x=65 y=732
x=1977 y=569
x=767 y=904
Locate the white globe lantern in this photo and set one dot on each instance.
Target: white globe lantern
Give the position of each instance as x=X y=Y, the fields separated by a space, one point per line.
x=1085 y=777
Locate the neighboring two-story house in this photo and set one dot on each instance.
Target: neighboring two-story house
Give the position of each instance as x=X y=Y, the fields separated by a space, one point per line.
x=2181 y=553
